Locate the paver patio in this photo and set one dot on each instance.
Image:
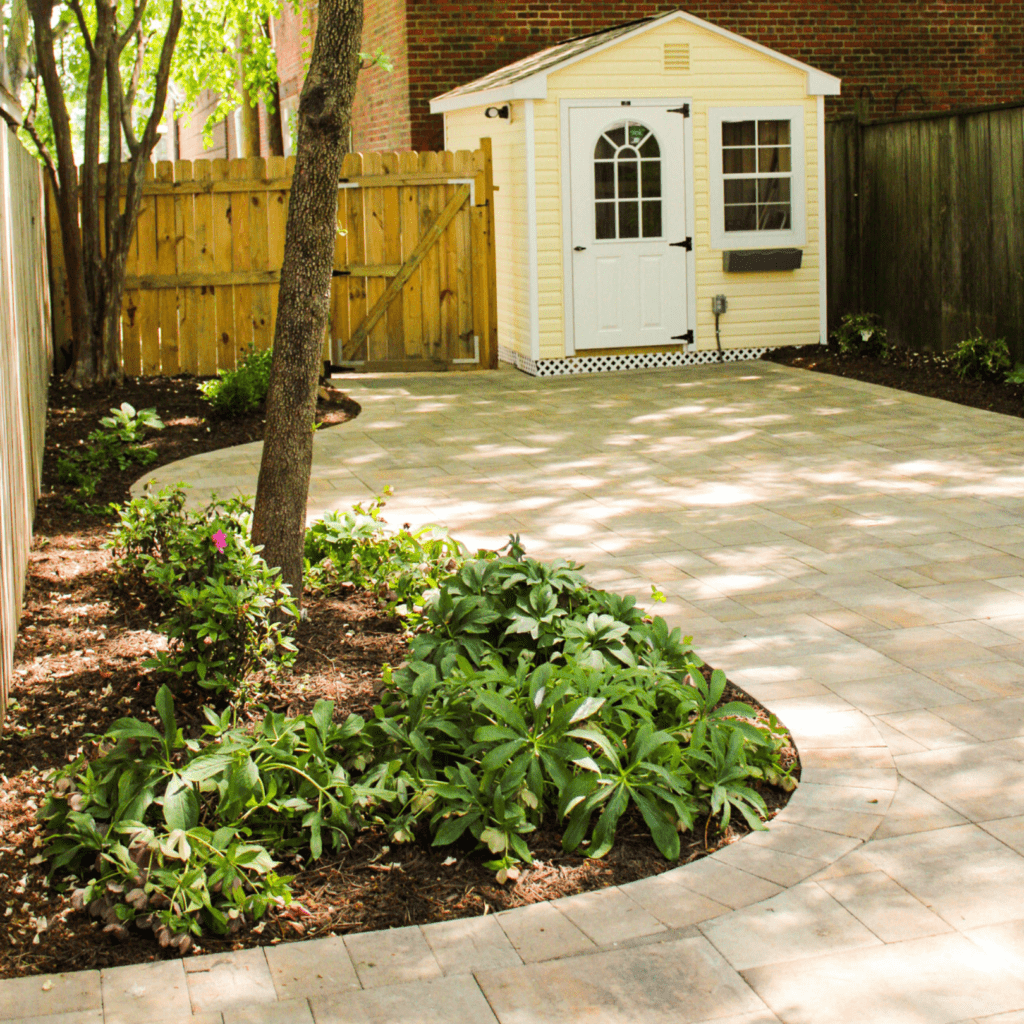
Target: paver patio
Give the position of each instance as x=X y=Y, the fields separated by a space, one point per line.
x=852 y=556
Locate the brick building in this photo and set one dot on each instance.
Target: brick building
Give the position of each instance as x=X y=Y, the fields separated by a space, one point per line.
x=893 y=56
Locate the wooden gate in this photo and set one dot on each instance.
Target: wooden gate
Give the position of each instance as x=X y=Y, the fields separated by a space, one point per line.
x=414 y=270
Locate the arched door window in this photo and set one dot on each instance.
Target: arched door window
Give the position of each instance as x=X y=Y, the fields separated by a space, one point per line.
x=627 y=182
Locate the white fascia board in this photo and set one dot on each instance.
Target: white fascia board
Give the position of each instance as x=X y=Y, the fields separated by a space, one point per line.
x=533 y=88
x=821 y=84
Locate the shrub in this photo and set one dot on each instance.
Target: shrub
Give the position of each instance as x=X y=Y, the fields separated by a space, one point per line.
x=861 y=335
x=981 y=358
x=242 y=391
x=358 y=548
x=1016 y=375
x=116 y=442
x=221 y=603
x=174 y=833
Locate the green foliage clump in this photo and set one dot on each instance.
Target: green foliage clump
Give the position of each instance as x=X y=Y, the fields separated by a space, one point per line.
x=861 y=335
x=528 y=696
x=117 y=442
x=242 y=391
x=175 y=834
x=225 y=612
x=981 y=358
x=1016 y=375
x=359 y=549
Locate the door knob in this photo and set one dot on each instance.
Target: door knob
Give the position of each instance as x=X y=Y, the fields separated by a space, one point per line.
x=579 y=248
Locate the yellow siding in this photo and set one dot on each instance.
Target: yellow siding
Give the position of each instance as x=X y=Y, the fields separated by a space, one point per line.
x=464 y=129
x=764 y=308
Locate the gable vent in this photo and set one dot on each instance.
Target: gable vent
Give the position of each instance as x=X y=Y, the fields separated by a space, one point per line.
x=677 y=56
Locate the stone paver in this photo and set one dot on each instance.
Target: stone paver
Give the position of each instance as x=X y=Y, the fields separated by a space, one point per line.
x=854 y=557
x=154 y=991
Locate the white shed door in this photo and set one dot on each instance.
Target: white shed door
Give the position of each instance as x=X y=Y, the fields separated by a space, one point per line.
x=628 y=208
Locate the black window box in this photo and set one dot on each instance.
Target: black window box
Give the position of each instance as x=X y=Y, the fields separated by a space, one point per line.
x=746 y=260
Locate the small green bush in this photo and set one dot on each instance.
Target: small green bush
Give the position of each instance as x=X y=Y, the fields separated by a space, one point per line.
x=861 y=335
x=981 y=358
x=220 y=601
x=173 y=833
x=1016 y=375
x=116 y=442
x=358 y=548
x=242 y=391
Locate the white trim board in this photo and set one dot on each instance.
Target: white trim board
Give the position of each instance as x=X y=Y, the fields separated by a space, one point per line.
x=531 y=231
x=822 y=224
x=689 y=213
x=797 y=234
x=535 y=86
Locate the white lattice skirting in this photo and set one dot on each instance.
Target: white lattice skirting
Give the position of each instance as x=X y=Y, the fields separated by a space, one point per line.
x=627 y=361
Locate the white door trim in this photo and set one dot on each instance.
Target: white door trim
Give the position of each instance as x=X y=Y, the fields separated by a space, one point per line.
x=533 y=269
x=566 y=204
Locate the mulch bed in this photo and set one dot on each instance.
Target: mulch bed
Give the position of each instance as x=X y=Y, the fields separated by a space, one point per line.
x=923 y=373
x=77 y=665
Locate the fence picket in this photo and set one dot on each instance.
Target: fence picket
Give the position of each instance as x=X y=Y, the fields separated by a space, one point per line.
x=430 y=277
x=277 y=216
x=355 y=204
x=393 y=255
x=204 y=297
x=223 y=260
x=185 y=257
x=259 y=227
x=149 y=302
x=412 y=302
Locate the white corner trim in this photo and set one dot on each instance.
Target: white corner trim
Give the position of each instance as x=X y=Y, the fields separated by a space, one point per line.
x=819 y=83
x=689 y=159
x=568 y=284
x=531 y=231
x=794 y=236
x=822 y=225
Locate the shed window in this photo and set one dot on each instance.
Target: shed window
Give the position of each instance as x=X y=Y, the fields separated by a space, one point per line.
x=627 y=183
x=757 y=180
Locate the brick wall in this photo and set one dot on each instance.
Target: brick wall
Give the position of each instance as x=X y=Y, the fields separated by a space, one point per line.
x=902 y=55
x=380 y=116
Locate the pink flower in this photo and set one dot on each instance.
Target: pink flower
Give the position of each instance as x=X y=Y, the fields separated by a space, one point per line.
x=220 y=541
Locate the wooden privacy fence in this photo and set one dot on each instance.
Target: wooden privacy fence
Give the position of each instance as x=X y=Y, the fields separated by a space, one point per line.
x=414 y=273
x=926 y=225
x=26 y=354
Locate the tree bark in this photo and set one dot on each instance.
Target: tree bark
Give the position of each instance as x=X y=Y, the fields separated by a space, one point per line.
x=324 y=115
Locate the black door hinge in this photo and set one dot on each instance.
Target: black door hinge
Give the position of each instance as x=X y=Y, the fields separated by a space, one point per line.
x=341 y=273
x=684 y=110
x=686 y=243
x=687 y=337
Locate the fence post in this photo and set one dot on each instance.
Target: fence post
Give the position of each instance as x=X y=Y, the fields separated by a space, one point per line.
x=490 y=361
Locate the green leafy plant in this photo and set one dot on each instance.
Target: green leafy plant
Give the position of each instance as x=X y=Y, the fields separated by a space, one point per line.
x=357 y=548
x=861 y=335
x=242 y=391
x=175 y=834
x=225 y=612
x=1016 y=375
x=981 y=358
x=117 y=442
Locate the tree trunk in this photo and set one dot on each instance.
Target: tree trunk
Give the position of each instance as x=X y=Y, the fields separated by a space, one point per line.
x=325 y=108
x=275 y=125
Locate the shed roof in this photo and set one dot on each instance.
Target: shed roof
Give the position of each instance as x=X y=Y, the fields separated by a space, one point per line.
x=527 y=78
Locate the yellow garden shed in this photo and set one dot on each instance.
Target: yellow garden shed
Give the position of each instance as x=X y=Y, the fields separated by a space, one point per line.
x=656 y=180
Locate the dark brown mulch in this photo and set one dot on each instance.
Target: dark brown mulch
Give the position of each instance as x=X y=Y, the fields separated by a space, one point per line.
x=922 y=373
x=78 y=668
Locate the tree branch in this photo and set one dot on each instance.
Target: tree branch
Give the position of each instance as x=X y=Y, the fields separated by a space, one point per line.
x=137 y=15
x=163 y=75
x=76 y=6
x=29 y=124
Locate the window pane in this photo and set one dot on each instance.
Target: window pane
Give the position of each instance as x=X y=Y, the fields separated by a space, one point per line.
x=605 y=220
x=628 y=154
x=604 y=150
x=741 y=218
x=774 y=217
x=629 y=220
x=776 y=158
x=741 y=190
x=772 y=190
x=739 y=161
x=650 y=147
x=652 y=219
x=617 y=135
x=773 y=133
x=604 y=180
x=738 y=133
x=636 y=133
x=627 y=179
x=650 y=178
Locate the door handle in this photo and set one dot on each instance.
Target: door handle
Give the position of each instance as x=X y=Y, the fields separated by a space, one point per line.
x=579 y=248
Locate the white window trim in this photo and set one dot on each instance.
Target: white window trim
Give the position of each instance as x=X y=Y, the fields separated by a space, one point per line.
x=794 y=236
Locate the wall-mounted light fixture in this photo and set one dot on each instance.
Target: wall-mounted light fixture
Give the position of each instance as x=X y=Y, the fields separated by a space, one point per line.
x=504 y=112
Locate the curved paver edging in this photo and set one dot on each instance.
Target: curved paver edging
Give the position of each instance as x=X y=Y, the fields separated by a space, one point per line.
x=854 y=558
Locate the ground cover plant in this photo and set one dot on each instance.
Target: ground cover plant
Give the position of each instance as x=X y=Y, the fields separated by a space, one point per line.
x=242 y=391
x=527 y=695
x=977 y=373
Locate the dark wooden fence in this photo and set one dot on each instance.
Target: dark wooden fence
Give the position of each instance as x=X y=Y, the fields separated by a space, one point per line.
x=926 y=225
